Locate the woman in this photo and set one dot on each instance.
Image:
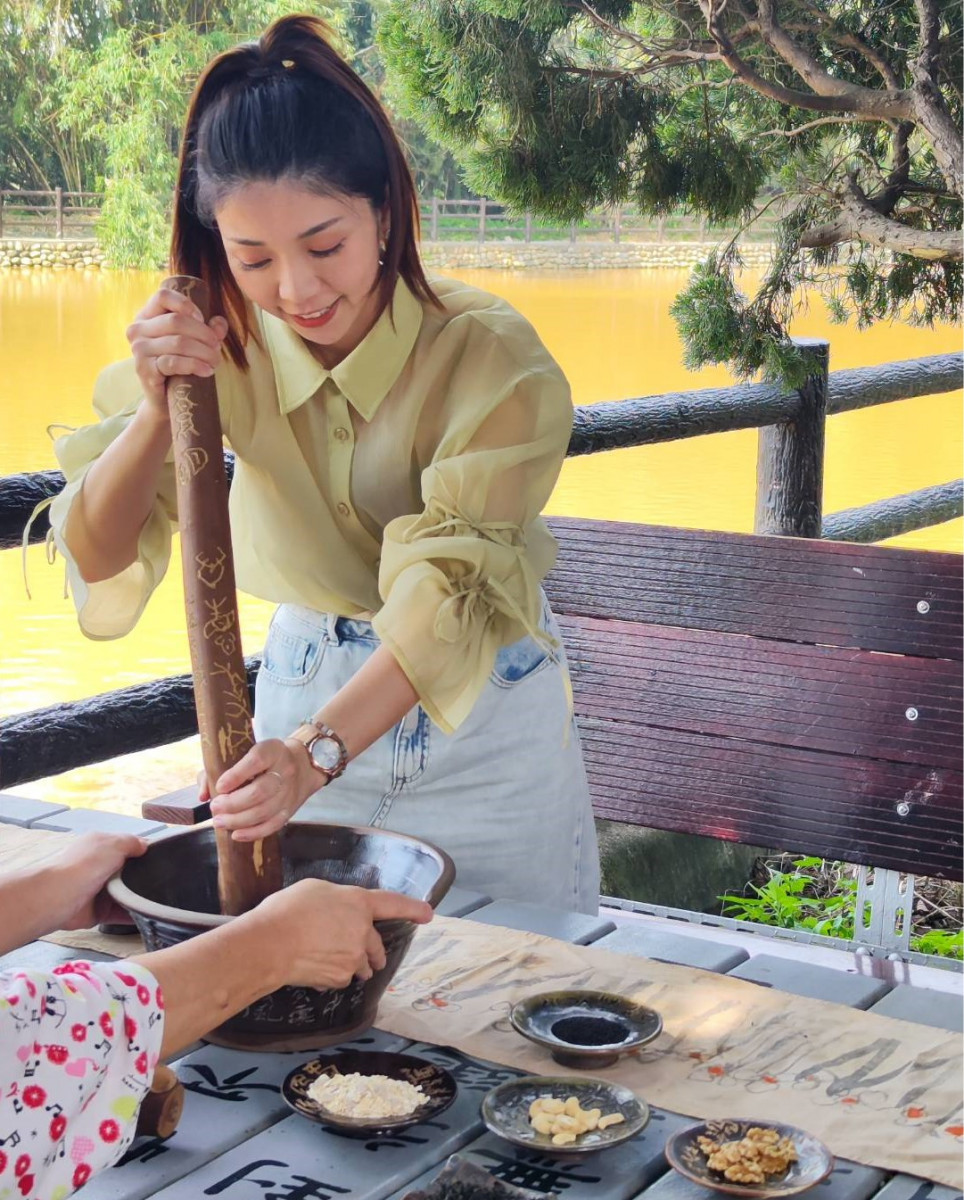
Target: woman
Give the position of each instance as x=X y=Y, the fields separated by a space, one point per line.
x=78 y=1045
x=396 y=440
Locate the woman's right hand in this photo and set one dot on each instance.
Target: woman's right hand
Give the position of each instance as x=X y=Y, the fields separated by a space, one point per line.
x=169 y=337
x=323 y=933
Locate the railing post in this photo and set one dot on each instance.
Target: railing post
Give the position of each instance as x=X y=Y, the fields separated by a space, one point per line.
x=617 y=223
x=59 y=193
x=789 y=471
x=433 y=230
x=572 y=231
x=661 y=229
x=1 y=213
x=528 y=226
x=482 y=219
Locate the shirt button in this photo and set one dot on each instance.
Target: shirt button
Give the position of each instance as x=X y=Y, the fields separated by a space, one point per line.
x=341 y=433
x=343 y=508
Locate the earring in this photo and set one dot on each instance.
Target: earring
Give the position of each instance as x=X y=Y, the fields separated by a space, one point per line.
x=381 y=254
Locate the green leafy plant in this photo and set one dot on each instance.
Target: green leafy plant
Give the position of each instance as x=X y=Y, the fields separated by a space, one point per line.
x=813 y=894
x=947 y=943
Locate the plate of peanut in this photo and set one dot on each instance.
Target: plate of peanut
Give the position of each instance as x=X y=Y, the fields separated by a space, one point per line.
x=563 y=1114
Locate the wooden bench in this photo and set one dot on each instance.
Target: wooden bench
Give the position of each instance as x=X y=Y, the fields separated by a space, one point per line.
x=784 y=692
x=791 y=693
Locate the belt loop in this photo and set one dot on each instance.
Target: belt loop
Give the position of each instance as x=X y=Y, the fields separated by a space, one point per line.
x=331 y=628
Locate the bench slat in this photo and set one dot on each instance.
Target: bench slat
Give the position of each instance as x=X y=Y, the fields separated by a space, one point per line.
x=831 y=805
x=817 y=697
x=790 y=589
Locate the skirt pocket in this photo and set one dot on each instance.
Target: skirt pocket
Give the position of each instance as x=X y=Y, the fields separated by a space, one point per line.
x=290 y=659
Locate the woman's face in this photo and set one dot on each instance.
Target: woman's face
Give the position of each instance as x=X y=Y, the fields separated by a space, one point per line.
x=310 y=260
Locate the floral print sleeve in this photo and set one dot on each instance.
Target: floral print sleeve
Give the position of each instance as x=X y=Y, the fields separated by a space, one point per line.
x=78 y=1046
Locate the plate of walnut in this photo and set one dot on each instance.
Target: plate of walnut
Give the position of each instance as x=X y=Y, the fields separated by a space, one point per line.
x=750 y=1158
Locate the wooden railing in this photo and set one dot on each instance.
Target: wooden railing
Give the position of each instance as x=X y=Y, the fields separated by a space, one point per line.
x=789 y=501
x=48 y=214
x=60 y=213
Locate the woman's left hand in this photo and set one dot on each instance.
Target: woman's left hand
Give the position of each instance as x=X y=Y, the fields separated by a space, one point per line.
x=256 y=796
x=77 y=896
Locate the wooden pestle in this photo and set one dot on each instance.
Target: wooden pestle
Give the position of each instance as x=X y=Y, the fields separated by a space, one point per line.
x=247 y=871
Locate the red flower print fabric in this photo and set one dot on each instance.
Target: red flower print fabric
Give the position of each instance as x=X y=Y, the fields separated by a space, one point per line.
x=78 y=1047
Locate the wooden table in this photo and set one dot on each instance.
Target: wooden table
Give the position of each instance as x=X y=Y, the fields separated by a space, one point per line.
x=237 y=1138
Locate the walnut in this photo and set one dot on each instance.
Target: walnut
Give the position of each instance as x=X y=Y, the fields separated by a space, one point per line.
x=752 y=1158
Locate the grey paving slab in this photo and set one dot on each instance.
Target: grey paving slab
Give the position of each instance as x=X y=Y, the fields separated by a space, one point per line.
x=909 y=1187
x=613 y=1174
x=848 y=1181
x=534 y=918
x=664 y=946
x=944 y=1010
x=86 y=820
x=231 y=1096
x=21 y=810
x=474 y=1076
x=459 y=902
x=808 y=979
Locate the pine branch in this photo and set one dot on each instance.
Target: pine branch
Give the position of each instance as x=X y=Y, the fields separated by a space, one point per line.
x=896 y=104
x=861 y=221
x=831 y=103
x=929 y=106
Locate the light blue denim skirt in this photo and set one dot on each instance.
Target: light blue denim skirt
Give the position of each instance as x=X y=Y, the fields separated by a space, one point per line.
x=505 y=795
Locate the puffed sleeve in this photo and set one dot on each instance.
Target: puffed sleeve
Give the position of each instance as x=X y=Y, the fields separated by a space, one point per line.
x=461 y=579
x=78 y=1047
x=111 y=608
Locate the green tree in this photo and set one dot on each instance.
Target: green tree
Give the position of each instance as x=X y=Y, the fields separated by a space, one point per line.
x=93 y=96
x=36 y=150
x=850 y=110
x=436 y=171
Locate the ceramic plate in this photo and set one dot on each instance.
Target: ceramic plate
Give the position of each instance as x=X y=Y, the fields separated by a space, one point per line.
x=435 y=1082
x=505 y=1111
x=815 y=1162
x=585 y=1029
x=468 y=1181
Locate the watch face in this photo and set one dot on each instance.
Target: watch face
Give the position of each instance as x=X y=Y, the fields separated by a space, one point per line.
x=326 y=753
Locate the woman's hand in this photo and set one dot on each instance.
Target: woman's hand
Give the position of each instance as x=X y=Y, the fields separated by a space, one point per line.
x=256 y=796
x=325 y=933
x=312 y=934
x=79 y=877
x=169 y=337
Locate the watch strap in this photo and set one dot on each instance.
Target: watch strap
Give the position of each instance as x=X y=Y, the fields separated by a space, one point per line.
x=311 y=731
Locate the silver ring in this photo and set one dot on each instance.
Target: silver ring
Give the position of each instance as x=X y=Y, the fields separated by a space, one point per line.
x=278 y=776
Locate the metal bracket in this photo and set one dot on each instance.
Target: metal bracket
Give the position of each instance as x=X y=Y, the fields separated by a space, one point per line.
x=885 y=905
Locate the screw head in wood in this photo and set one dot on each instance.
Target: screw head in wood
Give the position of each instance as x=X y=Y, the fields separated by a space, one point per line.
x=903 y=809
x=923 y=607
x=912 y=714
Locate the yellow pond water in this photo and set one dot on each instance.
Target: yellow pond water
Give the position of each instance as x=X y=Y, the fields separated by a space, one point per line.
x=612 y=334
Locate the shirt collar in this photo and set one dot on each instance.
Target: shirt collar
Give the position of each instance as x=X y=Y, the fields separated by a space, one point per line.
x=364 y=377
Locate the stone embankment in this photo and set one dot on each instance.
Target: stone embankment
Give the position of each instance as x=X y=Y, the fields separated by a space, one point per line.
x=85 y=254
x=580 y=255
x=57 y=254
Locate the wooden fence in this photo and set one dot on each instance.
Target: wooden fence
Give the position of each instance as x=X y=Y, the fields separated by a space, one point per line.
x=60 y=214
x=789 y=502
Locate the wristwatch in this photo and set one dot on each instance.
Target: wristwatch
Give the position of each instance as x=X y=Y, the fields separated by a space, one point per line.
x=325 y=749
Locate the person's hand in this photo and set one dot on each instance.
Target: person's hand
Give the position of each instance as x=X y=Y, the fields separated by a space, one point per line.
x=77 y=877
x=169 y=337
x=256 y=796
x=323 y=933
